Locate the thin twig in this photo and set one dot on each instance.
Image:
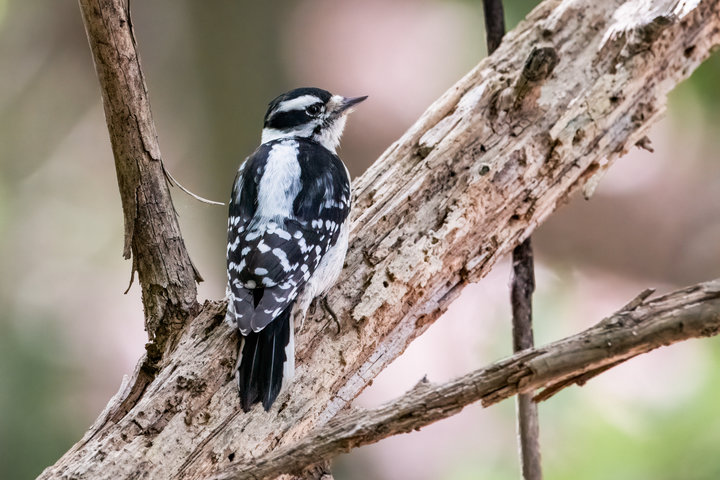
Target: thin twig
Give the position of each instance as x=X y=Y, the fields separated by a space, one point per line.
x=174 y=182
x=494 y=23
x=523 y=285
x=521 y=290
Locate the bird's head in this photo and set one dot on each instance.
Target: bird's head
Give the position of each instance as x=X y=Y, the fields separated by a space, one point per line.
x=308 y=113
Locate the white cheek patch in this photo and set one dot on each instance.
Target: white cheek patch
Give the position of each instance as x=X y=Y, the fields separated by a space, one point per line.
x=329 y=137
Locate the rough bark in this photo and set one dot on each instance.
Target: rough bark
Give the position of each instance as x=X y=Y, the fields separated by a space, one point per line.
x=636 y=329
x=567 y=92
x=152 y=234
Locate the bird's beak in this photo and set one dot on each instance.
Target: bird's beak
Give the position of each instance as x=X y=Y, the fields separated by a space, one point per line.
x=348 y=103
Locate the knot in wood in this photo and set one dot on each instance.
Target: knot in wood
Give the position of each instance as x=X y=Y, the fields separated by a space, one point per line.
x=651 y=31
x=540 y=64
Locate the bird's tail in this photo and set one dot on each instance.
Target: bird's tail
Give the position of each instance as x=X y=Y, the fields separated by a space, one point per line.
x=263 y=357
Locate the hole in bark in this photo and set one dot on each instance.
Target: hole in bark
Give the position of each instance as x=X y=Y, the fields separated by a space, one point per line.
x=231 y=457
x=579 y=135
x=385 y=283
x=689 y=50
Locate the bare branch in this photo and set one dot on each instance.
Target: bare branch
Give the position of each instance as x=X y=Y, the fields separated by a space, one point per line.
x=688 y=313
x=494 y=23
x=480 y=170
x=152 y=234
x=522 y=286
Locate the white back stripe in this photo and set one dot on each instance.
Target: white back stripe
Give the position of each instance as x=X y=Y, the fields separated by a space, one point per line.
x=280 y=182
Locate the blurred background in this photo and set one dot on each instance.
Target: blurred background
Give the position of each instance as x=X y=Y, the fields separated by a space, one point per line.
x=68 y=334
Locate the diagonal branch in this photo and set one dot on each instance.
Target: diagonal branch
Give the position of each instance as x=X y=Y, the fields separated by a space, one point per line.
x=688 y=313
x=152 y=233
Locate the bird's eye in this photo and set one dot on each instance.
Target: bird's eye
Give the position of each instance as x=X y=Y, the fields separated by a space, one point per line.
x=313 y=110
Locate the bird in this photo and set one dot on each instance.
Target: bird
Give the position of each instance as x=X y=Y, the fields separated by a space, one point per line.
x=287 y=234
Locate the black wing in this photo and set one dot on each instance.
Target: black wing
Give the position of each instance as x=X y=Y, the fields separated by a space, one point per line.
x=270 y=260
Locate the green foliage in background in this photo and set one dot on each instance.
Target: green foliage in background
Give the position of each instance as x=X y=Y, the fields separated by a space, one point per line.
x=38 y=422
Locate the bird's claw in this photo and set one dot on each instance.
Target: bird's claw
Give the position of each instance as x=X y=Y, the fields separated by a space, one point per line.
x=326 y=306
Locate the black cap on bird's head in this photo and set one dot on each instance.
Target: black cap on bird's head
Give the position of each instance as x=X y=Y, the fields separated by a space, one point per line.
x=308 y=113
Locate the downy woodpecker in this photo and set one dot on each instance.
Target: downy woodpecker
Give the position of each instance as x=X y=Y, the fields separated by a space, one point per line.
x=287 y=234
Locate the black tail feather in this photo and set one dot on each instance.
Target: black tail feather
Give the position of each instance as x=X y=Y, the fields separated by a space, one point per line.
x=260 y=372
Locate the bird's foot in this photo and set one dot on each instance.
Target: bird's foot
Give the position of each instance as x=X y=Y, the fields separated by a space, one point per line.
x=323 y=301
x=299 y=321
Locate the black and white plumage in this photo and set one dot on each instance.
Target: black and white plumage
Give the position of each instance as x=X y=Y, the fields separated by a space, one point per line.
x=287 y=234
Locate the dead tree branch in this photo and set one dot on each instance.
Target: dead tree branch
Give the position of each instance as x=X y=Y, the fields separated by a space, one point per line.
x=566 y=93
x=494 y=23
x=688 y=313
x=152 y=234
x=522 y=286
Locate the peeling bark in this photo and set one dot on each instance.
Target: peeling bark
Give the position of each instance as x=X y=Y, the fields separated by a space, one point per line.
x=488 y=162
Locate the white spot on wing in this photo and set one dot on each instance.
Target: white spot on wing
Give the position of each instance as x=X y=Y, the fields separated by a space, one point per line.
x=282 y=256
x=282 y=234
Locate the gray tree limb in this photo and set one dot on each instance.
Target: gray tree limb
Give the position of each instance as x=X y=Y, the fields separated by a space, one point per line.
x=568 y=91
x=152 y=234
x=522 y=286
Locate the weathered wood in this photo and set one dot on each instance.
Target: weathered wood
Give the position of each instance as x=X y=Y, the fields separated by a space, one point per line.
x=688 y=313
x=486 y=164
